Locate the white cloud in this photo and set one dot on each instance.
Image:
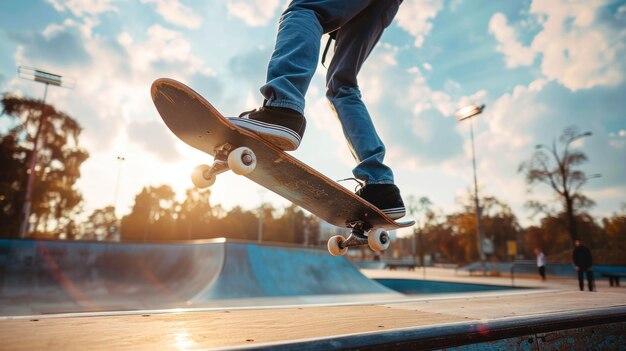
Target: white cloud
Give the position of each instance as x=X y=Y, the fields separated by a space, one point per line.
x=515 y=54
x=254 y=13
x=415 y=17
x=578 y=51
x=176 y=13
x=83 y=7
x=576 y=48
x=162 y=45
x=514 y=115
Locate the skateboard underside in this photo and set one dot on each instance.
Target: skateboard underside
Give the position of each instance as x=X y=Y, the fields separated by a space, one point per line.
x=196 y=122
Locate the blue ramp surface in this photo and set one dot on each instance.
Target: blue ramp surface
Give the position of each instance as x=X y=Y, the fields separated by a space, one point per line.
x=251 y=270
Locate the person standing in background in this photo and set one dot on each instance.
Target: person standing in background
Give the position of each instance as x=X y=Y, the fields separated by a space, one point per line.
x=582 y=260
x=541 y=263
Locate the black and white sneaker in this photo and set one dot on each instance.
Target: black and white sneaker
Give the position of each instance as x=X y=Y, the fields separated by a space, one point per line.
x=385 y=197
x=283 y=127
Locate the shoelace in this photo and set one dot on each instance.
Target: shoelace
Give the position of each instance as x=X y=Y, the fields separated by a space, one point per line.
x=360 y=184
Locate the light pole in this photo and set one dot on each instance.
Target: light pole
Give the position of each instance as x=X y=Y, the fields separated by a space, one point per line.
x=468 y=112
x=46 y=78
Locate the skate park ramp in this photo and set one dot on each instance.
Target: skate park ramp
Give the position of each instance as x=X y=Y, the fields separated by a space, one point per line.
x=42 y=277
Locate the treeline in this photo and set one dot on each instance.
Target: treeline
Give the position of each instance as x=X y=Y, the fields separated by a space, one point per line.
x=157 y=216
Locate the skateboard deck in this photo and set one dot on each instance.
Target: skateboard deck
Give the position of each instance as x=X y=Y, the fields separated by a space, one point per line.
x=197 y=123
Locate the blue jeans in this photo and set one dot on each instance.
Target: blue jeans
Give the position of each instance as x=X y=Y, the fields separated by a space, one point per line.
x=360 y=24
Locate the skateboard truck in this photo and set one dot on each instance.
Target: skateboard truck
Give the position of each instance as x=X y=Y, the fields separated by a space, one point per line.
x=240 y=160
x=377 y=238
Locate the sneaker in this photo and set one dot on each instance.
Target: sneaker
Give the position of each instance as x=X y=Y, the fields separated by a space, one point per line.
x=282 y=127
x=385 y=197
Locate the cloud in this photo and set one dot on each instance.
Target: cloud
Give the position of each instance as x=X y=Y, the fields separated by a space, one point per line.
x=154 y=137
x=254 y=13
x=83 y=7
x=578 y=51
x=60 y=45
x=166 y=49
x=176 y=13
x=415 y=17
x=514 y=53
x=578 y=45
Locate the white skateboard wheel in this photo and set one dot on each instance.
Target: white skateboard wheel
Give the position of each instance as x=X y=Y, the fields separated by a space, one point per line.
x=200 y=177
x=334 y=246
x=242 y=160
x=378 y=239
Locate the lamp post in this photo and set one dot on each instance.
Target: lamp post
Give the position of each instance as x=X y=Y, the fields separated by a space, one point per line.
x=46 y=78
x=464 y=113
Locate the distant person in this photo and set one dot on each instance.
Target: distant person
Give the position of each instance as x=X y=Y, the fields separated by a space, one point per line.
x=541 y=263
x=582 y=260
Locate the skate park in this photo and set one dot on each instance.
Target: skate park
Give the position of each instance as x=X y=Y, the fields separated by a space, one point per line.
x=349 y=175
x=221 y=294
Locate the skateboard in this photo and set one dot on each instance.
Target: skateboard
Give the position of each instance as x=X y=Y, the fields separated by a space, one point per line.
x=200 y=125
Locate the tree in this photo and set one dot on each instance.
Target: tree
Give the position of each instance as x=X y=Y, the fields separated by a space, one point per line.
x=12 y=180
x=196 y=218
x=239 y=224
x=557 y=169
x=101 y=224
x=423 y=206
x=459 y=233
x=152 y=217
x=55 y=136
x=614 y=229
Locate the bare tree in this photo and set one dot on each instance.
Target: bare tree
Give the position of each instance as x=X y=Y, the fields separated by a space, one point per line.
x=557 y=169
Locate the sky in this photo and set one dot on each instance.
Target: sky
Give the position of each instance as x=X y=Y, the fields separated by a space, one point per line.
x=539 y=66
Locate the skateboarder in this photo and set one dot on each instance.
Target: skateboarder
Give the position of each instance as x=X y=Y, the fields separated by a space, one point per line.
x=357 y=25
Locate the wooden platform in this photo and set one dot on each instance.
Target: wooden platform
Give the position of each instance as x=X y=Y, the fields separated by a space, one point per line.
x=208 y=329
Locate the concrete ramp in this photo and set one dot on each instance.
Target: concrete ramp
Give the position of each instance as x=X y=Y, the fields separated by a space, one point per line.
x=38 y=276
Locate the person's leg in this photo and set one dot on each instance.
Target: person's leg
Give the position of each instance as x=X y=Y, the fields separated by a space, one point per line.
x=292 y=65
x=589 y=273
x=581 y=280
x=297 y=48
x=355 y=41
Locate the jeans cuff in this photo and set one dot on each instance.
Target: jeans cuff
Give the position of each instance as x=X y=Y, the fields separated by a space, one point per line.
x=287 y=104
x=382 y=181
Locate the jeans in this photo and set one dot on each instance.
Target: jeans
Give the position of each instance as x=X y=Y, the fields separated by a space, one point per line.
x=360 y=24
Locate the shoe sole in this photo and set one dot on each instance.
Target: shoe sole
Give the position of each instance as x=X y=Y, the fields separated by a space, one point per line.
x=281 y=137
x=395 y=213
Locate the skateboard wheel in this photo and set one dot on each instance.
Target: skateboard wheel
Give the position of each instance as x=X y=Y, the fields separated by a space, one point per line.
x=242 y=161
x=201 y=178
x=334 y=246
x=378 y=239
